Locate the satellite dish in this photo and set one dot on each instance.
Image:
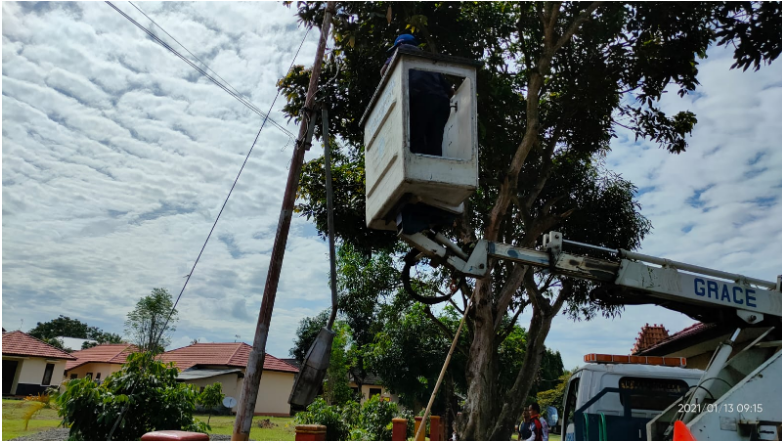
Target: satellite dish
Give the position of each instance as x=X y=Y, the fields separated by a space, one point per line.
x=229 y=402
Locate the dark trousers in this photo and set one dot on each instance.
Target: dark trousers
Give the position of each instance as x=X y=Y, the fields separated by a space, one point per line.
x=428 y=116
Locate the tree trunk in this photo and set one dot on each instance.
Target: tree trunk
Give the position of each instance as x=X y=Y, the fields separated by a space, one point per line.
x=515 y=400
x=479 y=408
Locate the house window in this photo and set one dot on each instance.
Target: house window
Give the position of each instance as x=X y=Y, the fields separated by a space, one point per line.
x=373 y=392
x=97 y=378
x=47 y=374
x=88 y=376
x=73 y=376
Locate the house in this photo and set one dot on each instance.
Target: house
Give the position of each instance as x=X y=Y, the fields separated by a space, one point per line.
x=98 y=362
x=372 y=385
x=31 y=366
x=698 y=342
x=203 y=364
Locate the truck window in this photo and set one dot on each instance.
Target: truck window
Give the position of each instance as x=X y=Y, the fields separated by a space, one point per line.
x=668 y=390
x=570 y=402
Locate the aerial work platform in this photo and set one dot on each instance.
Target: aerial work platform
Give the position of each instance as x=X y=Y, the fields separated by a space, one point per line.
x=395 y=176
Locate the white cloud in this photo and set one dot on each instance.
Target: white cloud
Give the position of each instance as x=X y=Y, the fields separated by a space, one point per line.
x=117 y=157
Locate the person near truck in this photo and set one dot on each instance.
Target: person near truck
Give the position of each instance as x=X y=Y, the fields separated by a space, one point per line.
x=524 y=426
x=539 y=427
x=430 y=103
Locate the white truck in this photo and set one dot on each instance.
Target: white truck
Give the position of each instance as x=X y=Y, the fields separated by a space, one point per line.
x=616 y=400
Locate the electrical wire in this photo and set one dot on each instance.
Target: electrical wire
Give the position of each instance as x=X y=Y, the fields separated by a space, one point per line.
x=225 y=202
x=222 y=86
x=236 y=94
x=247 y=157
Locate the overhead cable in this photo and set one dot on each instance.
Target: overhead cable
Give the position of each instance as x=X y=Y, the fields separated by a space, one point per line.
x=231 y=91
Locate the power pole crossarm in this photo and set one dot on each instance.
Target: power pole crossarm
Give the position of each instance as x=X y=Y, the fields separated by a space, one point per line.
x=252 y=376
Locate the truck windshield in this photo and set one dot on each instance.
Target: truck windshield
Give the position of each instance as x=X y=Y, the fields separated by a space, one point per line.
x=667 y=389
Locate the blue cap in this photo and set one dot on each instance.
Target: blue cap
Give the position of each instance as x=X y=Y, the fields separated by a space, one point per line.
x=407 y=39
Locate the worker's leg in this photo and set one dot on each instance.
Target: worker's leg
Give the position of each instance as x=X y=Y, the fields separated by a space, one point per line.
x=418 y=124
x=440 y=110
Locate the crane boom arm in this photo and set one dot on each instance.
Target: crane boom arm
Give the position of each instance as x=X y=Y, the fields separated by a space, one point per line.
x=752 y=299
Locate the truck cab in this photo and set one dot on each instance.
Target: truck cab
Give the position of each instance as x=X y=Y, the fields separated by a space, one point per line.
x=614 y=401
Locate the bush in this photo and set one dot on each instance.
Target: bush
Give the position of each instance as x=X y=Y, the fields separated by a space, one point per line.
x=144 y=392
x=376 y=416
x=351 y=421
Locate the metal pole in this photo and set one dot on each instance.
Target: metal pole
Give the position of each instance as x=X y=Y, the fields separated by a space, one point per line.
x=330 y=209
x=252 y=375
x=420 y=435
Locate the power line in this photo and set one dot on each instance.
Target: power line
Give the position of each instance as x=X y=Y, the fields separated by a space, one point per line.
x=225 y=202
x=247 y=157
x=236 y=91
x=225 y=88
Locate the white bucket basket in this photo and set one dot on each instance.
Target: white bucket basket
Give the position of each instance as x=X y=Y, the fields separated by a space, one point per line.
x=394 y=174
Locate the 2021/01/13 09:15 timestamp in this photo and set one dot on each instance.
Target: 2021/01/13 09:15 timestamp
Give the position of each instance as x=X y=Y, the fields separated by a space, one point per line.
x=722 y=407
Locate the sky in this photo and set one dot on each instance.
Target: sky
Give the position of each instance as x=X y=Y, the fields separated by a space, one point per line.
x=117 y=156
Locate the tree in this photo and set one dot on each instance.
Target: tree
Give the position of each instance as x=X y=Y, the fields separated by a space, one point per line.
x=557 y=79
x=147 y=324
x=144 y=393
x=211 y=397
x=63 y=326
x=308 y=330
x=555 y=396
x=336 y=387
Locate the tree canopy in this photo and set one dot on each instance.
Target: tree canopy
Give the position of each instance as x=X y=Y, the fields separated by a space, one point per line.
x=557 y=80
x=63 y=326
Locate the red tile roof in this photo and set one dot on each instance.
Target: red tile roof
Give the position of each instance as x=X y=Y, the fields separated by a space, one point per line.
x=24 y=345
x=221 y=354
x=109 y=353
x=649 y=336
x=697 y=328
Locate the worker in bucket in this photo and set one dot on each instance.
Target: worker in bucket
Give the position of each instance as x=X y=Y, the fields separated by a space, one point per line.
x=430 y=103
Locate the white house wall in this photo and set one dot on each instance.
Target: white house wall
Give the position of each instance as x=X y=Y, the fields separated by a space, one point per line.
x=30 y=372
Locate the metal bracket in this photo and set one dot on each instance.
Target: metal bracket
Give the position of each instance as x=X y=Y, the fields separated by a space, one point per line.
x=749 y=316
x=553 y=242
x=436 y=251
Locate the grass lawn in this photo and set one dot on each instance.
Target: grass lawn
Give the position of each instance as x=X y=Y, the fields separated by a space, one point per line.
x=284 y=429
x=13 y=424
x=551 y=437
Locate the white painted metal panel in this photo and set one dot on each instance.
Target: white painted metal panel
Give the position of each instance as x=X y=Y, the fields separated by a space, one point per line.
x=757 y=399
x=676 y=285
x=392 y=171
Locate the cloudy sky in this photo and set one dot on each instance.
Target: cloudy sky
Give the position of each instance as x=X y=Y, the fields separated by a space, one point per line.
x=117 y=157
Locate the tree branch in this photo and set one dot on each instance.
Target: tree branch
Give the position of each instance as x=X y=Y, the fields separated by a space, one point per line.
x=445 y=330
x=535 y=296
x=505 y=333
x=509 y=289
x=565 y=292
x=453 y=303
x=584 y=16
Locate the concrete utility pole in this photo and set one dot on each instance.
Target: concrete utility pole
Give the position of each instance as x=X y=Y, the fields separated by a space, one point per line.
x=252 y=376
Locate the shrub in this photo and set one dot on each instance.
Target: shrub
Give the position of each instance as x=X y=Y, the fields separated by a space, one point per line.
x=144 y=393
x=376 y=416
x=351 y=421
x=337 y=423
